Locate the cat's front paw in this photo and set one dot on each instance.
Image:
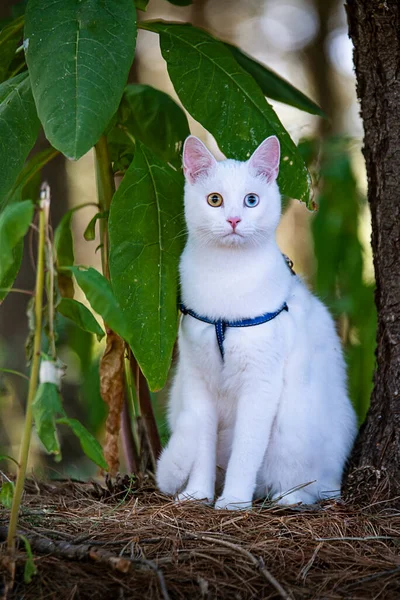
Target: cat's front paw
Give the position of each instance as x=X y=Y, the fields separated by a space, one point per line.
x=232 y=503
x=171 y=474
x=194 y=494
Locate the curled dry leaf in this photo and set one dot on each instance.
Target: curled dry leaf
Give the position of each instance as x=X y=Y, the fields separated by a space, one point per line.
x=112 y=388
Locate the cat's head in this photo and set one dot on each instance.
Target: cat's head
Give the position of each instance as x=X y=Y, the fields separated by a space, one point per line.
x=231 y=203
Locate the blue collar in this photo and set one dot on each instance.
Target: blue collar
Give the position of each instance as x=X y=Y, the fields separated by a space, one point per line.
x=221 y=324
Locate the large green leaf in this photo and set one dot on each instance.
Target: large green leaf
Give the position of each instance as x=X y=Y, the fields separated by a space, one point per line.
x=273 y=85
x=146 y=238
x=226 y=100
x=9 y=38
x=79 y=53
x=64 y=246
x=89 y=444
x=30 y=171
x=46 y=408
x=153 y=118
x=97 y=290
x=80 y=315
x=14 y=223
x=19 y=127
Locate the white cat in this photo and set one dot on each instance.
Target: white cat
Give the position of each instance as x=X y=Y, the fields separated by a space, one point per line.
x=272 y=413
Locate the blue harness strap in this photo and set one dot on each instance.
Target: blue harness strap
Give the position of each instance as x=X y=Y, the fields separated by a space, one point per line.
x=221 y=325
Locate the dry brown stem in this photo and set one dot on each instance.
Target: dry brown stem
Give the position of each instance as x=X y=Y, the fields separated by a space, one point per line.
x=112 y=388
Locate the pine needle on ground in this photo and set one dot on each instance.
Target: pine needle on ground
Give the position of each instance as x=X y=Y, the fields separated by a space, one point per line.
x=126 y=541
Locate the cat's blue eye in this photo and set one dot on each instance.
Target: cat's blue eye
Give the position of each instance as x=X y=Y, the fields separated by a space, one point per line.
x=251 y=200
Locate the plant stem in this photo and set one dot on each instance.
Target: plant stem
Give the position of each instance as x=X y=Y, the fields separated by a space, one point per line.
x=12 y=372
x=26 y=437
x=50 y=296
x=16 y=290
x=105 y=192
x=146 y=410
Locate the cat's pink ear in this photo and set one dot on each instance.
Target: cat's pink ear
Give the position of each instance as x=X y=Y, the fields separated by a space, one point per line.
x=265 y=160
x=197 y=160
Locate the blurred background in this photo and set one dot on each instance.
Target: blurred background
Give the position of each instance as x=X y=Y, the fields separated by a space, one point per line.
x=306 y=42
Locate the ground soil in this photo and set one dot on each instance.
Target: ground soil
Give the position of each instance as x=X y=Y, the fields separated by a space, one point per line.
x=123 y=540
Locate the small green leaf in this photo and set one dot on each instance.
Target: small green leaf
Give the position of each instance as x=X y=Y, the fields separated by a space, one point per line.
x=153 y=118
x=90 y=231
x=30 y=569
x=19 y=124
x=89 y=444
x=9 y=38
x=98 y=291
x=20 y=189
x=46 y=407
x=64 y=246
x=14 y=224
x=80 y=315
x=226 y=100
x=7 y=494
x=146 y=238
x=78 y=52
x=274 y=86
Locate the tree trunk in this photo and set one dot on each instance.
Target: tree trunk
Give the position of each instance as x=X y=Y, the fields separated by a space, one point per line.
x=374 y=27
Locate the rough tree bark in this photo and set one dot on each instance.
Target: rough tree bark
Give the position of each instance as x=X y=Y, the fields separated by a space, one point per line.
x=374 y=27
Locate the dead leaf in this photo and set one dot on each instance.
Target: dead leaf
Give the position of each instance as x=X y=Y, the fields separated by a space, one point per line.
x=65 y=285
x=112 y=388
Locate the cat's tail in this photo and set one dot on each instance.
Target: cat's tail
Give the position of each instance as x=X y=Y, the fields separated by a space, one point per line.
x=176 y=460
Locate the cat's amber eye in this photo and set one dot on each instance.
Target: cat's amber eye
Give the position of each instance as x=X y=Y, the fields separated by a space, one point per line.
x=214 y=199
x=251 y=200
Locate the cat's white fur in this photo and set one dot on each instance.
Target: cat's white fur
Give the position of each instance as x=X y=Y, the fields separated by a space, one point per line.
x=275 y=414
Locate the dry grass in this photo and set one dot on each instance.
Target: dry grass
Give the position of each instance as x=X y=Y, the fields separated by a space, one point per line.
x=128 y=542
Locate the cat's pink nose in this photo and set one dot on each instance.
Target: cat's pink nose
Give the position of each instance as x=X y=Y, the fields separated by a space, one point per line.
x=234 y=221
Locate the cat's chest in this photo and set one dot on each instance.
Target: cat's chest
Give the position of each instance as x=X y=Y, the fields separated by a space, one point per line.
x=244 y=349
x=231 y=286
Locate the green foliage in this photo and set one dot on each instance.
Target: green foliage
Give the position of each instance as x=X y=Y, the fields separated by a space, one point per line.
x=14 y=223
x=90 y=231
x=46 y=407
x=226 y=100
x=30 y=568
x=9 y=38
x=79 y=52
x=146 y=234
x=28 y=175
x=273 y=85
x=6 y=494
x=100 y=296
x=153 y=118
x=64 y=247
x=19 y=123
x=90 y=445
x=80 y=315
x=339 y=274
